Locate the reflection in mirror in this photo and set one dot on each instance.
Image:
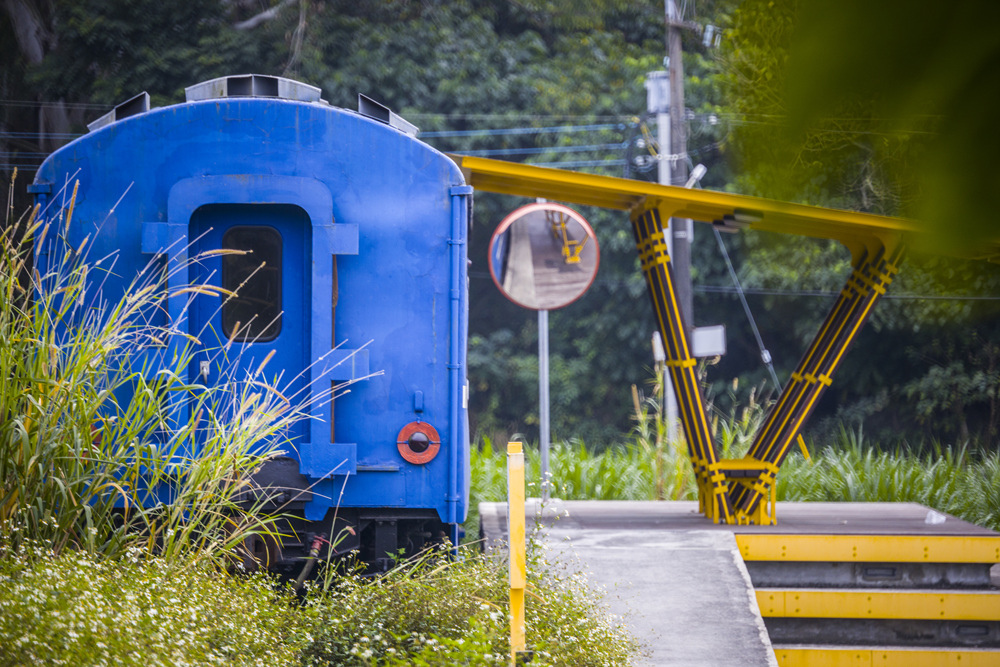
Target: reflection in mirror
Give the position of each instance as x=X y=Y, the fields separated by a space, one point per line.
x=544 y=256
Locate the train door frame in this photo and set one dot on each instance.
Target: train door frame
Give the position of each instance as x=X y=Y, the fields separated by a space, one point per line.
x=280 y=332
x=318 y=457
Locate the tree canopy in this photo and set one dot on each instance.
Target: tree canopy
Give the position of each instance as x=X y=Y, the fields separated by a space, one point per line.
x=834 y=104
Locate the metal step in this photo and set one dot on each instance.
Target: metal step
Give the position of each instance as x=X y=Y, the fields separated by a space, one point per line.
x=930 y=605
x=869 y=548
x=898 y=633
x=902 y=618
x=777 y=574
x=819 y=655
x=877 y=599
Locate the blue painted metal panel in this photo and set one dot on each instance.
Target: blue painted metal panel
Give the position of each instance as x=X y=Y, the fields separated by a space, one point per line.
x=377 y=217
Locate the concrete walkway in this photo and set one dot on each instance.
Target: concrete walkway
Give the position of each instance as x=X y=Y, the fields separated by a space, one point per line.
x=684 y=593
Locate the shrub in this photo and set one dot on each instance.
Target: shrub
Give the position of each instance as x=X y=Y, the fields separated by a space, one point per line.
x=441 y=611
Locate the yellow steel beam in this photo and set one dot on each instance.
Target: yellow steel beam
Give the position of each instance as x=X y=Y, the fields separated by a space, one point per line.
x=826 y=656
x=882 y=604
x=729 y=211
x=867 y=283
x=654 y=259
x=650 y=204
x=869 y=548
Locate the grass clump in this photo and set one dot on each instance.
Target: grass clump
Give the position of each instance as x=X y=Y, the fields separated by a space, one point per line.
x=78 y=609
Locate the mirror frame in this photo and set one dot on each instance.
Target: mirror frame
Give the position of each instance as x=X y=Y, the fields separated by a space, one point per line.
x=524 y=211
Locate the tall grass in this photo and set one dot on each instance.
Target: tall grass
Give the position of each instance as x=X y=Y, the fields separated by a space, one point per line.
x=78 y=609
x=438 y=610
x=948 y=479
x=649 y=466
x=956 y=481
x=98 y=419
x=576 y=473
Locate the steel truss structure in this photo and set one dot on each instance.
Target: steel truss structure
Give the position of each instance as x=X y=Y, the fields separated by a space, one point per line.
x=729 y=491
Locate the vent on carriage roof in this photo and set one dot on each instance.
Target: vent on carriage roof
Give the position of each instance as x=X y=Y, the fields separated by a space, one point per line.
x=137 y=105
x=380 y=112
x=253 y=85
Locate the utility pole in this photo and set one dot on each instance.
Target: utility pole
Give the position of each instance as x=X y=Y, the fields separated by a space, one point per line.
x=658 y=102
x=665 y=98
x=681 y=230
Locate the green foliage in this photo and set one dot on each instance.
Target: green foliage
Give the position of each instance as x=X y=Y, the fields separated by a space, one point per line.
x=950 y=480
x=869 y=128
x=580 y=473
x=649 y=466
x=848 y=158
x=924 y=87
x=468 y=65
x=484 y=66
x=130 y=46
x=957 y=481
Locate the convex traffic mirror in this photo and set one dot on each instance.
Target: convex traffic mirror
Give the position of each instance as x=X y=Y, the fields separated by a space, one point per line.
x=544 y=256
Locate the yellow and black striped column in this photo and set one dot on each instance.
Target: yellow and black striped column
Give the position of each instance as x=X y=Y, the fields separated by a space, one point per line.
x=651 y=243
x=871 y=276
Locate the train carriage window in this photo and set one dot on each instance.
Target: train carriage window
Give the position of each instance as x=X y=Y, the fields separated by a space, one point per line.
x=254 y=314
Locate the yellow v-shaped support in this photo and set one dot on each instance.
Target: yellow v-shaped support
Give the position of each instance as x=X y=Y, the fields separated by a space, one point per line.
x=651 y=242
x=730 y=491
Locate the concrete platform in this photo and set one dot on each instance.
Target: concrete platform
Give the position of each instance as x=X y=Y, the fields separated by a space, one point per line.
x=793 y=518
x=680 y=581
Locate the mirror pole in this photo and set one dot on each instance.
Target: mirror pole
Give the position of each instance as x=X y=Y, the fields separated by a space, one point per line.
x=543 y=399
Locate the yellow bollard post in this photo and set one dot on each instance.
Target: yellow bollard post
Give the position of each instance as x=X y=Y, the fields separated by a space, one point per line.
x=515 y=533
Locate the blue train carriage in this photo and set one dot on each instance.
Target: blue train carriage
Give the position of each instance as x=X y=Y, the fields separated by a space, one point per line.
x=363 y=231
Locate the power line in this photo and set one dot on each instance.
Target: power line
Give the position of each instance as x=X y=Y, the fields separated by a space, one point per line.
x=617 y=122
x=524 y=130
x=544 y=149
x=517 y=117
x=33 y=135
x=43 y=103
x=763 y=291
x=891 y=133
x=576 y=164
